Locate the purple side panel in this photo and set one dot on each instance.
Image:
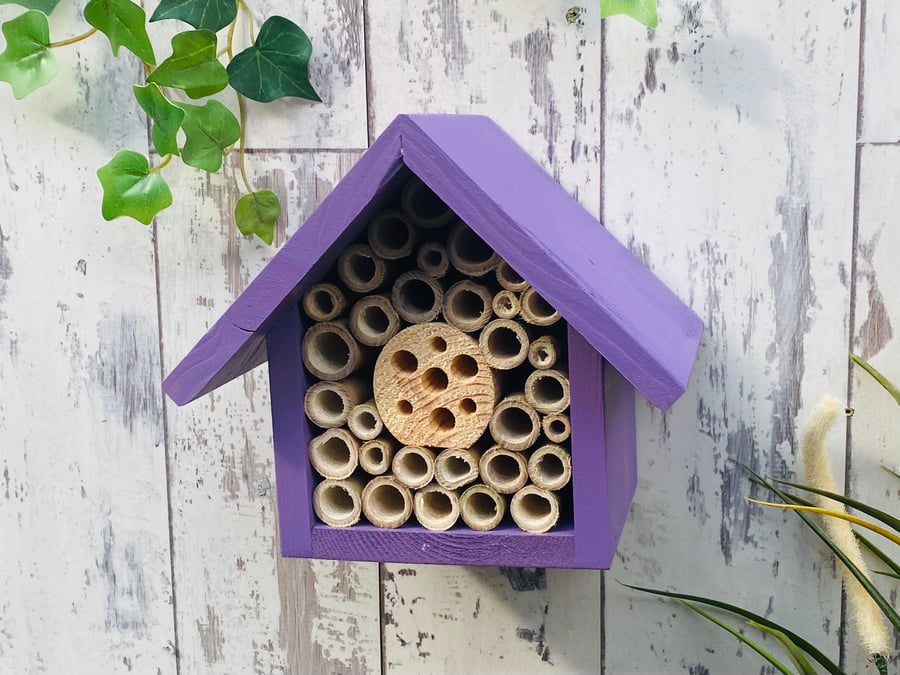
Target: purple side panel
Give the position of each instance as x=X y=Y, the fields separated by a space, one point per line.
x=291 y=434
x=506 y=546
x=616 y=303
x=621 y=450
x=589 y=462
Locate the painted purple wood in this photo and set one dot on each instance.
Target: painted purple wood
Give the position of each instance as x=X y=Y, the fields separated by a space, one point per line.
x=621 y=453
x=291 y=435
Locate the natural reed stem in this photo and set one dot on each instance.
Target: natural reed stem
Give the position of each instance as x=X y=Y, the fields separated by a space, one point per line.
x=374 y=321
x=467 y=306
x=432 y=259
x=338 y=502
x=503 y=470
x=391 y=235
x=386 y=502
x=515 y=425
x=414 y=466
x=361 y=270
x=469 y=253
x=506 y=305
x=556 y=427
x=543 y=352
x=417 y=297
x=537 y=311
x=375 y=456
x=548 y=391
x=365 y=422
x=504 y=343
x=334 y=454
x=456 y=467
x=422 y=206
x=550 y=467
x=330 y=352
x=482 y=507
x=436 y=508
x=509 y=279
x=324 y=302
x=534 y=509
x=328 y=404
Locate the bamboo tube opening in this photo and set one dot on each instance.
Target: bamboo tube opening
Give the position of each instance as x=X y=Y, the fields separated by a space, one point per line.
x=328 y=404
x=456 y=467
x=556 y=427
x=504 y=344
x=467 y=306
x=334 y=454
x=503 y=470
x=324 y=302
x=432 y=259
x=365 y=422
x=436 y=508
x=535 y=310
x=543 y=352
x=548 y=391
x=481 y=507
x=469 y=253
x=534 y=509
x=361 y=270
x=375 y=456
x=514 y=424
x=506 y=304
x=414 y=466
x=386 y=502
x=509 y=279
x=391 y=236
x=330 y=352
x=374 y=321
x=338 y=502
x=417 y=297
x=423 y=206
x=550 y=467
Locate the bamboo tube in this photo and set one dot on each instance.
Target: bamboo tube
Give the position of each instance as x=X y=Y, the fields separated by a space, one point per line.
x=361 y=270
x=543 y=352
x=338 y=502
x=417 y=297
x=503 y=470
x=506 y=304
x=548 y=390
x=467 y=306
x=324 y=302
x=469 y=253
x=414 y=466
x=391 y=235
x=537 y=311
x=436 y=508
x=422 y=206
x=374 y=321
x=386 y=502
x=504 y=343
x=334 y=454
x=550 y=467
x=509 y=279
x=534 y=509
x=556 y=427
x=456 y=467
x=375 y=456
x=515 y=425
x=330 y=352
x=328 y=404
x=482 y=507
x=365 y=422
x=432 y=259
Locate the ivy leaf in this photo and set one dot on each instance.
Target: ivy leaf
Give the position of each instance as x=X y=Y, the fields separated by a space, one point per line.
x=167 y=118
x=27 y=64
x=193 y=66
x=256 y=213
x=123 y=22
x=45 y=6
x=208 y=130
x=276 y=65
x=209 y=14
x=643 y=11
x=129 y=189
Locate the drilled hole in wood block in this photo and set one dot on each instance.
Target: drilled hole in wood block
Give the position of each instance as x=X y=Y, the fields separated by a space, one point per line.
x=443 y=419
x=405 y=361
x=439 y=344
x=435 y=379
x=468 y=406
x=464 y=366
x=404 y=407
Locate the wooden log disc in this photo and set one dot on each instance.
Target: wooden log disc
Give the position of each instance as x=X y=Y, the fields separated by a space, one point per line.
x=543 y=352
x=456 y=467
x=324 y=302
x=469 y=253
x=436 y=508
x=373 y=320
x=482 y=507
x=556 y=427
x=467 y=306
x=534 y=509
x=330 y=352
x=537 y=311
x=417 y=297
x=515 y=425
x=434 y=388
x=508 y=278
x=504 y=343
x=548 y=391
x=338 y=502
x=334 y=454
x=386 y=502
x=432 y=259
x=550 y=467
x=506 y=305
x=504 y=470
x=423 y=206
x=361 y=269
x=391 y=235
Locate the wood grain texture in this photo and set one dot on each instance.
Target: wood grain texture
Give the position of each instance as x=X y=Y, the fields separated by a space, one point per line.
x=879 y=121
x=85 y=581
x=241 y=607
x=732 y=177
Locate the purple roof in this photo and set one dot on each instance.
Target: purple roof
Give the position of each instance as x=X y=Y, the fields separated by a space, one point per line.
x=598 y=286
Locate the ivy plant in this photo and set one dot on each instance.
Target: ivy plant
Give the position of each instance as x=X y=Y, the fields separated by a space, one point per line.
x=643 y=11
x=200 y=133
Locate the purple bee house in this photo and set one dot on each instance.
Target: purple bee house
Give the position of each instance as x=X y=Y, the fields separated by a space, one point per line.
x=625 y=331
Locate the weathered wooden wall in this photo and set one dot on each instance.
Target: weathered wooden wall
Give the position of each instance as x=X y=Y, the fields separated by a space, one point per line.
x=745 y=151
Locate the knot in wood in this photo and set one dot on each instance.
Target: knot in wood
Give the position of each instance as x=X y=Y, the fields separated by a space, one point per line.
x=434 y=388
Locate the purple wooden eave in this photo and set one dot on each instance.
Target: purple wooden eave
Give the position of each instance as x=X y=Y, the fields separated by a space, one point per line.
x=606 y=294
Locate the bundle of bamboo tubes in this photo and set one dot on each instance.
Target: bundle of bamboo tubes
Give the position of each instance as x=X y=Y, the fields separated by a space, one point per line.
x=438 y=382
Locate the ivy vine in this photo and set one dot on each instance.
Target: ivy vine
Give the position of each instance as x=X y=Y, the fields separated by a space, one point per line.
x=643 y=11
x=275 y=65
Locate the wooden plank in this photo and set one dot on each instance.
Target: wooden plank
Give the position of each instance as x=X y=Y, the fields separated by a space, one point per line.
x=879 y=120
x=241 y=606
x=85 y=571
x=538 y=77
x=732 y=178
x=876 y=424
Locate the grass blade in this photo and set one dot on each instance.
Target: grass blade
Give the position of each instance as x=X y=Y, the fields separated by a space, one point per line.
x=881 y=555
x=881 y=379
x=892 y=521
x=794 y=652
x=833 y=514
x=886 y=574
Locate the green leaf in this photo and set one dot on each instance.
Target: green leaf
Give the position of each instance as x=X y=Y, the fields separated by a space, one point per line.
x=794 y=652
x=209 y=14
x=881 y=379
x=166 y=116
x=45 y=6
x=807 y=647
x=256 y=213
x=862 y=507
x=276 y=65
x=27 y=64
x=130 y=189
x=124 y=23
x=643 y=11
x=193 y=66
x=208 y=130
x=881 y=555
